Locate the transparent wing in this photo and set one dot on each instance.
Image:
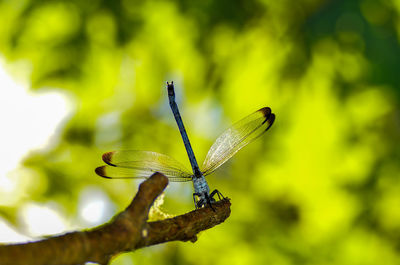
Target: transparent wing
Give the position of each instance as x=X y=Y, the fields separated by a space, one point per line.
x=236 y=137
x=141 y=164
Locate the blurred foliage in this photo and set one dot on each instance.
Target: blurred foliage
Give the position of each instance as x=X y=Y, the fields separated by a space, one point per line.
x=321 y=187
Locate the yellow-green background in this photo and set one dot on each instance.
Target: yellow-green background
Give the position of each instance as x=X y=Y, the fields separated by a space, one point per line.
x=320 y=187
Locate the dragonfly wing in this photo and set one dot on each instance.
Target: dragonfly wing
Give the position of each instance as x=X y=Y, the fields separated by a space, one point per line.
x=141 y=164
x=236 y=137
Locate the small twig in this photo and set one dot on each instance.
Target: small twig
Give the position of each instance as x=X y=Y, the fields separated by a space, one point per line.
x=126 y=231
x=186 y=227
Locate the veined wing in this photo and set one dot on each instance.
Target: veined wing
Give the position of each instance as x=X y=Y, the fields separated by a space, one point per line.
x=141 y=164
x=236 y=137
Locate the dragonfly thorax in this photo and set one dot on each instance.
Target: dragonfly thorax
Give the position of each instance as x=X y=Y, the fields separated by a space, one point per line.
x=200 y=186
x=201 y=195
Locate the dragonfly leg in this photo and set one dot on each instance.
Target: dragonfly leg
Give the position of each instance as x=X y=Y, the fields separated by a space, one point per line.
x=218 y=193
x=198 y=203
x=210 y=201
x=210 y=198
x=204 y=199
x=194 y=199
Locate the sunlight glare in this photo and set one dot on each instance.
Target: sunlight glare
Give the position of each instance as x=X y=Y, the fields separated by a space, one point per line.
x=94 y=206
x=42 y=220
x=9 y=234
x=29 y=121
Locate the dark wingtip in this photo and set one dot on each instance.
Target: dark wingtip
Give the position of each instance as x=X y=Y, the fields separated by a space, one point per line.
x=266 y=111
x=107 y=157
x=101 y=172
x=270 y=117
x=271 y=120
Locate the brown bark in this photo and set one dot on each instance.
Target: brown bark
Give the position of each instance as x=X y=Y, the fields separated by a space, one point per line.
x=127 y=231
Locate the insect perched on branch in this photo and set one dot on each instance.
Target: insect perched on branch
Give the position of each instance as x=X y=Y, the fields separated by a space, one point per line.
x=141 y=164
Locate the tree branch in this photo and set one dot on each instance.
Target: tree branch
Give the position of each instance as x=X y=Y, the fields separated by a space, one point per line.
x=126 y=231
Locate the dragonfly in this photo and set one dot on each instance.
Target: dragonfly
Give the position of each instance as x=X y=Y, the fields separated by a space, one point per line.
x=133 y=164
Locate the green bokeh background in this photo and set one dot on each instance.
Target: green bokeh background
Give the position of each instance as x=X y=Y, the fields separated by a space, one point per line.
x=320 y=187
